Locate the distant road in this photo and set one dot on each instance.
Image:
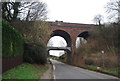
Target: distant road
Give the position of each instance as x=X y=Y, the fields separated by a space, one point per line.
x=64 y=71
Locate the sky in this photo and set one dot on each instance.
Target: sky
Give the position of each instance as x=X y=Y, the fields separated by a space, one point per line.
x=75 y=11
x=57 y=41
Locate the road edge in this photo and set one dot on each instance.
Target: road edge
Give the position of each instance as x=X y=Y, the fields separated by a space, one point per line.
x=91 y=69
x=53 y=69
x=48 y=73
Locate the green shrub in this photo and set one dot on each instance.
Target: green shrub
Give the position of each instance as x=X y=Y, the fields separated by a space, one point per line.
x=12 y=41
x=92 y=67
x=34 y=53
x=115 y=71
x=62 y=57
x=89 y=61
x=0 y=38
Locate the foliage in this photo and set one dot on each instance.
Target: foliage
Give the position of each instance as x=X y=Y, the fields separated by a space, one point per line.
x=35 y=33
x=102 y=38
x=92 y=67
x=25 y=71
x=62 y=57
x=89 y=62
x=39 y=33
x=0 y=38
x=114 y=71
x=106 y=37
x=34 y=53
x=36 y=40
x=12 y=41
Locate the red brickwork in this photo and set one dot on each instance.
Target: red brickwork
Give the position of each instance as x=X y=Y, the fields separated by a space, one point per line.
x=72 y=31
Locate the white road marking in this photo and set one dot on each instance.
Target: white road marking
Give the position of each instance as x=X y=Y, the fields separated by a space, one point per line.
x=54 y=67
x=54 y=77
x=54 y=72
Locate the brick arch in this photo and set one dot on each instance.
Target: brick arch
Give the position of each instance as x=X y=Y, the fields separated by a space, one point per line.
x=84 y=34
x=63 y=34
x=73 y=29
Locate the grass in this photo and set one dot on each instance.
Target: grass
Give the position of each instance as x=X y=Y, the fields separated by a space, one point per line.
x=92 y=67
x=114 y=71
x=25 y=71
x=89 y=66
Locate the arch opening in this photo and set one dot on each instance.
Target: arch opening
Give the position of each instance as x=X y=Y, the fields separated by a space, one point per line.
x=84 y=35
x=82 y=38
x=56 y=41
x=64 y=49
x=63 y=34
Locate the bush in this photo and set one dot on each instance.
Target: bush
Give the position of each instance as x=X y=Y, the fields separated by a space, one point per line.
x=12 y=41
x=0 y=38
x=34 y=53
x=62 y=57
x=89 y=61
x=92 y=67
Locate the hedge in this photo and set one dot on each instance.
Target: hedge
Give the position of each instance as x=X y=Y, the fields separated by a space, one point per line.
x=12 y=41
x=0 y=38
x=34 y=53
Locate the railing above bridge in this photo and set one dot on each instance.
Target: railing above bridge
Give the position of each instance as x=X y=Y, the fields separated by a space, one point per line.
x=59 y=48
x=66 y=24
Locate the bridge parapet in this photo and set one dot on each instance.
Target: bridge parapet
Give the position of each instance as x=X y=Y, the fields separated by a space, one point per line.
x=59 y=48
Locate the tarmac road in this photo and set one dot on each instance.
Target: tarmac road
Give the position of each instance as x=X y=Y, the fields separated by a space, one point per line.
x=64 y=71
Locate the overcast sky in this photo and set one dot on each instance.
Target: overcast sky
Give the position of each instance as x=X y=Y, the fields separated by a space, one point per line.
x=76 y=11
x=57 y=41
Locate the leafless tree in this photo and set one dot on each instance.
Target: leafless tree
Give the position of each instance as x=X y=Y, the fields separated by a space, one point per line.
x=113 y=8
x=10 y=10
x=33 y=10
x=98 y=19
x=24 y=10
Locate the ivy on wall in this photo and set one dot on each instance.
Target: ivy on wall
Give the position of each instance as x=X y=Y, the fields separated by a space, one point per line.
x=12 y=41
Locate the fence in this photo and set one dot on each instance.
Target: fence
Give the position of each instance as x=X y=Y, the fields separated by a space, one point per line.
x=8 y=63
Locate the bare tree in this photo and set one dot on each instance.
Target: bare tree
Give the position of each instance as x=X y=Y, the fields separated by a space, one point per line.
x=98 y=19
x=39 y=32
x=113 y=7
x=33 y=10
x=10 y=10
x=24 y=10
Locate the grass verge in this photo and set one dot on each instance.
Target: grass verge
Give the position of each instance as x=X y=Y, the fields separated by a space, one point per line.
x=92 y=67
x=114 y=71
x=111 y=71
x=25 y=71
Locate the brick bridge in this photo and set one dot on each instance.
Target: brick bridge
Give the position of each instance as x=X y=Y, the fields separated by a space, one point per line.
x=70 y=32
